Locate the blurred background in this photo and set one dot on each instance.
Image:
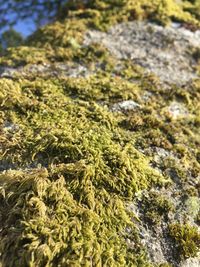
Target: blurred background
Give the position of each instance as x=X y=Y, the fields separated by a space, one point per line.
x=19 y=18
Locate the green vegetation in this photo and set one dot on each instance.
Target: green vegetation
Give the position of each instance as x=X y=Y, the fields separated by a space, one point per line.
x=92 y=168
x=156 y=208
x=109 y=12
x=69 y=164
x=61 y=40
x=187 y=239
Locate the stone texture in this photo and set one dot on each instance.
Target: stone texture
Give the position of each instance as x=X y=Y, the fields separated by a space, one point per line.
x=164 y=51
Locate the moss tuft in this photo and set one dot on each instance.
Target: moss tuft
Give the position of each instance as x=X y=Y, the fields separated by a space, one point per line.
x=187 y=239
x=156 y=208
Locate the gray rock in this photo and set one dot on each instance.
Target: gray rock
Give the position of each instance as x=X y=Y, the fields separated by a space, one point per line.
x=177 y=110
x=7 y=72
x=165 y=52
x=125 y=106
x=191 y=262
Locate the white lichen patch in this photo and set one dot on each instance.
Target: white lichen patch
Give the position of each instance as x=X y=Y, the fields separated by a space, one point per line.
x=191 y=262
x=177 y=110
x=69 y=69
x=160 y=154
x=192 y=206
x=125 y=106
x=10 y=127
x=154 y=246
x=7 y=72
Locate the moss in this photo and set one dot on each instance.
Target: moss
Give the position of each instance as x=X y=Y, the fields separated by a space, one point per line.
x=156 y=208
x=87 y=157
x=165 y=265
x=193 y=7
x=63 y=39
x=105 y=14
x=49 y=225
x=187 y=239
x=23 y=55
x=75 y=163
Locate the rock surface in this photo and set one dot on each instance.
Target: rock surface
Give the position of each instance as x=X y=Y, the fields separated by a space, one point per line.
x=167 y=52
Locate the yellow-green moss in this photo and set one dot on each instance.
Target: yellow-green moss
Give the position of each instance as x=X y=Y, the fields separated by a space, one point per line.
x=186 y=238
x=50 y=221
x=79 y=160
x=92 y=168
x=61 y=41
x=65 y=125
x=156 y=208
x=103 y=14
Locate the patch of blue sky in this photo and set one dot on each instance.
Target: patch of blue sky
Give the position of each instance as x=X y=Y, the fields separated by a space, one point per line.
x=25 y=27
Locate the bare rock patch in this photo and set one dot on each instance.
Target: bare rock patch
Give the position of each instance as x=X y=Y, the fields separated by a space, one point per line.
x=164 y=51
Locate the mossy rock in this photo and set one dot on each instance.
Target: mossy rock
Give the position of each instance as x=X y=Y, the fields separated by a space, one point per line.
x=71 y=162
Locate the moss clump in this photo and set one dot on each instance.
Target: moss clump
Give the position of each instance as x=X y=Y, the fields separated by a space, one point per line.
x=103 y=14
x=55 y=42
x=156 y=208
x=67 y=205
x=193 y=7
x=187 y=239
x=48 y=220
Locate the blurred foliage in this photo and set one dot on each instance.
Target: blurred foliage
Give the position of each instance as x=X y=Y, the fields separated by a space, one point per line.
x=39 y=11
x=12 y=11
x=10 y=38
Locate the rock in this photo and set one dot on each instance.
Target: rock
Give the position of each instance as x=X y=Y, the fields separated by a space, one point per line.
x=7 y=72
x=125 y=106
x=191 y=262
x=177 y=110
x=163 y=51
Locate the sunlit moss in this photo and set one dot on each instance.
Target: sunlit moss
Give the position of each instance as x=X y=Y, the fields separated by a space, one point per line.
x=75 y=161
x=156 y=208
x=91 y=165
x=62 y=40
x=186 y=238
x=102 y=14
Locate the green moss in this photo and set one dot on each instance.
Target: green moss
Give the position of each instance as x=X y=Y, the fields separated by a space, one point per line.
x=165 y=265
x=62 y=41
x=90 y=159
x=75 y=163
x=51 y=224
x=103 y=14
x=193 y=7
x=92 y=168
x=187 y=239
x=156 y=208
